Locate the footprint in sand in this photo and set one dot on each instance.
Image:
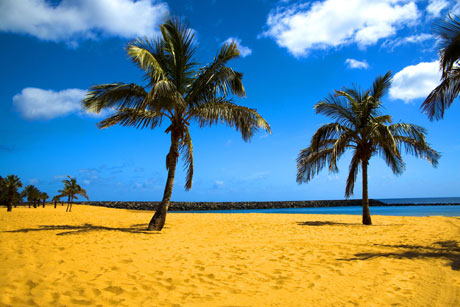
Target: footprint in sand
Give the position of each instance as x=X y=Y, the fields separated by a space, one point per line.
x=115 y=290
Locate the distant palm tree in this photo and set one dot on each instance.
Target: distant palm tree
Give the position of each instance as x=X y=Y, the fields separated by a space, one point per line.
x=178 y=92
x=444 y=94
x=10 y=185
x=44 y=197
x=71 y=190
x=3 y=193
x=360 y=126
x=32 y=194
x=55 y=200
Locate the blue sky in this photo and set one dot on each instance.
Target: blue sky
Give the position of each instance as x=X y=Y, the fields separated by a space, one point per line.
x=293 y=55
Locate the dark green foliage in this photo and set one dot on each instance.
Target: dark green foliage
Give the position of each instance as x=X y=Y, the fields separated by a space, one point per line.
x=71 y=190
x=32 y=194
x=444 y=94
x=9 y=194
x=360 y=127
x=177 y=91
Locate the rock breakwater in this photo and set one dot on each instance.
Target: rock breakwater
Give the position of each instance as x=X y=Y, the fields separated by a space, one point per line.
x=202 y=206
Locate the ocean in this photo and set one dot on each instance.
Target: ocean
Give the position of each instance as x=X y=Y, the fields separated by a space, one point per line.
x=422 y=210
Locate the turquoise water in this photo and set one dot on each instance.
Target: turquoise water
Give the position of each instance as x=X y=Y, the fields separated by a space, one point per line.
x=387 y=210
x=426 y=200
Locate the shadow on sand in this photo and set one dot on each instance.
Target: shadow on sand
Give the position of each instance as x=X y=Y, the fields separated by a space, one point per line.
x=78 y=229
x=331 y=223
x=326 y=223
x=448 y=250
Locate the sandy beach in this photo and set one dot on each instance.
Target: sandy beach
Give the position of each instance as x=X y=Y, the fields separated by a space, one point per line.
x=100 y=257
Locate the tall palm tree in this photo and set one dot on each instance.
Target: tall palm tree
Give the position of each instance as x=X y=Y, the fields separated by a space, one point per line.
x=11 y=184
x=444 y=94
x=360 y=126
x=71 y=190
x=32 y=194
x=179 y=92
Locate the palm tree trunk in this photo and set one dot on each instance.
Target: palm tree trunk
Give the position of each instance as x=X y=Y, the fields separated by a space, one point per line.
x=43 y=203
x=68 y=204
x=159 y=218
x=55 y=203
x=366 y=214
x=9 y=206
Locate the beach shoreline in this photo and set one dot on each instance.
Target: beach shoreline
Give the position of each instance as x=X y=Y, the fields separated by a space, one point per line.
x=100 y=256
x=250 y=205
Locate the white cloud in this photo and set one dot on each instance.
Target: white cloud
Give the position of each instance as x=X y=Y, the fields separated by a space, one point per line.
x=304 y=27
x=218 y=184
x=35 y=103
x=435 y=7
x=352 y=63
x=244 y=51
x=413 y=39
x=76 y=19
x=415 y=81
x=33 y=181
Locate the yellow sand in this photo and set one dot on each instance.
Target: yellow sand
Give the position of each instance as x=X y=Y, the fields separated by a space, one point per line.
x=99 y=256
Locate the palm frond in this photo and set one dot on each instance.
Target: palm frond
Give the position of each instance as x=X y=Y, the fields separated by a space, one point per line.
x=217 y=79
x=118 y=95
x=337 y=108
x=139 y=119
x=83 y=193
x=328 y=132
x=442 y=96
x=179 y=42
x=149 y=56
x=352 y=174
x=413 y=139
x=310 y=163
x=381 y=85
x=186 y=150
x=449 y=31
x=244 y=119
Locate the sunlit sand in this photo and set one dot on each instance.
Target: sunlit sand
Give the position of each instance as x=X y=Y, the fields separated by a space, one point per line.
x=99 y=256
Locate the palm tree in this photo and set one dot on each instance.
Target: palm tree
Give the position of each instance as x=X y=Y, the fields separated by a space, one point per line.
x=360 y=126
x=179 y=92
x=10 y=186
x=44 y=197
x=32 y=194
x=71 y=190
x=56 y=199
x=3 y=194
x=444 y=94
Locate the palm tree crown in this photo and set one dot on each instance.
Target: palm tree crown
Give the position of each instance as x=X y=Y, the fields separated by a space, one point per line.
x=31 y=193
x=360 y=127
x=11 y=184
x=72 y=189
x=179 y=92
x=444 y=94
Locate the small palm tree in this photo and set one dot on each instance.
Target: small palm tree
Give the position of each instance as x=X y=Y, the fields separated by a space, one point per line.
x=55 y=200
x=444 y=94
x=3 y=194
x=360 y=127
x=10 y=186
x=32 y=194
x=71 y=190
x=44 y=197
x=179 y=92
